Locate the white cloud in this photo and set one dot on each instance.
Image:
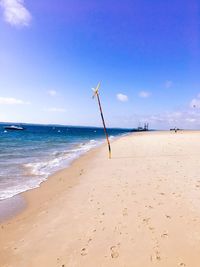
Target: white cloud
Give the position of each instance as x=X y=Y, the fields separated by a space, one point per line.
x=144 y=94
x=122 y=97
x=12 y=101
x=52 y=92
x=168 y=84
x=60 y=110
x=191 y=120
x=187 y=117
x=15 y=13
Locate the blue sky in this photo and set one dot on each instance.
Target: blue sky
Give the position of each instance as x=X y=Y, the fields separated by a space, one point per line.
x=146 y=53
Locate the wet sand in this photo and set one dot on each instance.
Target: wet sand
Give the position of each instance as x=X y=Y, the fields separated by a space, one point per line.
x=11 y=207
x=139 y=209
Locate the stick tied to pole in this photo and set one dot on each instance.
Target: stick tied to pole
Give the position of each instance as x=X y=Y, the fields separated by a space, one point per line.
x=96 y=94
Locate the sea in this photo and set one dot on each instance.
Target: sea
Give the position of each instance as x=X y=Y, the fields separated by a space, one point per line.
x=28 y=157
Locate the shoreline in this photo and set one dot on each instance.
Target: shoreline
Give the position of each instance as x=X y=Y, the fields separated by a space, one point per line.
x=31 y=156
x=73 y=154
x=141 y=208
x=13 y=206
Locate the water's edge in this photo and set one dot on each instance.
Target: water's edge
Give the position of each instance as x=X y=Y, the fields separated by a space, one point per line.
x=14 y=205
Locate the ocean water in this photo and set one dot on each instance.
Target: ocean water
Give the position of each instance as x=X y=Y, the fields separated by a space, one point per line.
x=28 y=157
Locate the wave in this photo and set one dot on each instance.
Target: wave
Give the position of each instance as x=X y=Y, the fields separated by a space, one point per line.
x=38 y=172
x=60 y=159
x=29 y=160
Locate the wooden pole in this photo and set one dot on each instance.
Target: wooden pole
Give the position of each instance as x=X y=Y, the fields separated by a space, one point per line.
x=96 y=93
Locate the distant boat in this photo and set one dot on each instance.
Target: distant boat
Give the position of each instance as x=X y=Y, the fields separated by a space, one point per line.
x=14 y=128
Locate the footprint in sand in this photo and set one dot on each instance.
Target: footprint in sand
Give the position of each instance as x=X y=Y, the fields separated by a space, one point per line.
x=157 y=256
x=149 y=207
x=83 y=252
x=164 y=235
x=182 y=264
x=162 y=194
x=146 y=220
x=114 y=252
x=168 y=216
x=151 y=228
x=125 y=213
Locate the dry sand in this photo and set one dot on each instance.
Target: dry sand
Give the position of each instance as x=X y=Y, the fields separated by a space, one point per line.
x=139 y=209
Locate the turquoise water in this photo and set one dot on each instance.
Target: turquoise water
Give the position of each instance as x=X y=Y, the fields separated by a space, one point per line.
x=28 y=157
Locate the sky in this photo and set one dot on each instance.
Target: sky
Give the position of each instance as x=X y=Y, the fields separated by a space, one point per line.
x=145 y=53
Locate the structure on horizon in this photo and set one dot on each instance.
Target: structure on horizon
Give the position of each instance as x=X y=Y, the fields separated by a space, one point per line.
x=141 y=129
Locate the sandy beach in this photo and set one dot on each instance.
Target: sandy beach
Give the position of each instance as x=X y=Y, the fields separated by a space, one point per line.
x=139 y=209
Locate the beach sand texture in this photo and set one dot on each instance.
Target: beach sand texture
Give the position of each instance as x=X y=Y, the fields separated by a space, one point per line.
x=139 y=209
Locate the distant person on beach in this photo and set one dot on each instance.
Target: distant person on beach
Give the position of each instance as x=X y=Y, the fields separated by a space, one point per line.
x=175 y=129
